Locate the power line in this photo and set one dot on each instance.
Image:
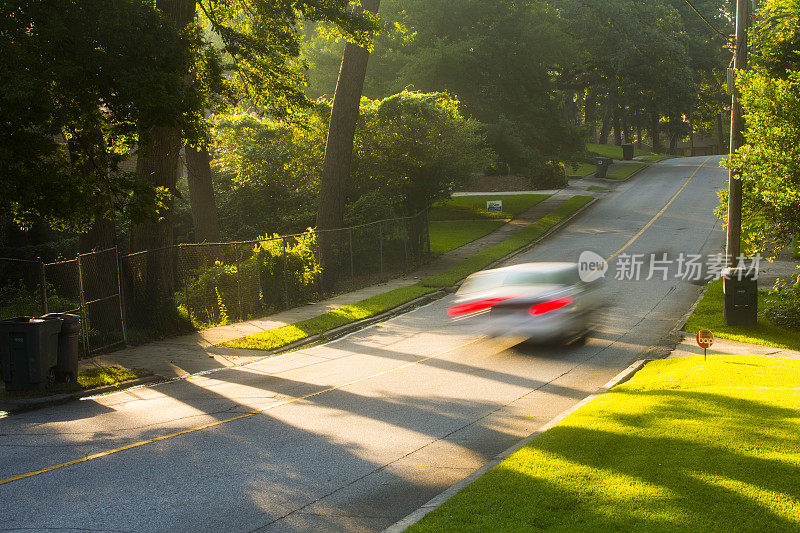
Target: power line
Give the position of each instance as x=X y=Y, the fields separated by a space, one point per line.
x=726 y=37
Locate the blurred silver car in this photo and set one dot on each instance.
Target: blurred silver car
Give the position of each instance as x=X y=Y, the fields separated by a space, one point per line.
x=544 y=302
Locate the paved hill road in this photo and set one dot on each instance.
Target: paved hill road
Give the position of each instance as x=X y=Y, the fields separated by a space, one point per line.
x=355 y=434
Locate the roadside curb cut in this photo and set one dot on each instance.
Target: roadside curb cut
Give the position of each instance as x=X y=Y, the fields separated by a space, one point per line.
x=438 y=501
x=29 y=404
x=647 y=164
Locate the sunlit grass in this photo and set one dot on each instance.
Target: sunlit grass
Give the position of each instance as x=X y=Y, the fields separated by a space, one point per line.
x=625 y=171
x=615 y=152
x=474 y=207
x=482 y=259
x=583 y=170
x=275 y=338
x=685 y=445
x=709 y=315
x=448 y=235
x=87 y=379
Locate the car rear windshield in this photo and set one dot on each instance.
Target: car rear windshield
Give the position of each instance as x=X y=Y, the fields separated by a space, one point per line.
x=486 y=281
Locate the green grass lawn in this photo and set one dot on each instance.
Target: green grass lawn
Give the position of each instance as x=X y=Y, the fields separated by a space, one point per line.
x=87 y=379
x=474 y=207
x=482 y=259
x=615 y=152
x=583 y=170
x=448 y=235
x=708 y=315
x=624 y=173
x=685 y=445
x=275 y=338
x=598 y=188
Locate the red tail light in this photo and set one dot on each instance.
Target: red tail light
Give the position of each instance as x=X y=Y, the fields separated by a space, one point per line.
x=552 y=305
x=474 y=307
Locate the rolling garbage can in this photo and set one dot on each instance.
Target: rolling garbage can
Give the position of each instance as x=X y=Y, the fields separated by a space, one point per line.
x=29 y=352
x=627 y=152
x=602 y=164
x=741 y=296
x=68 y=350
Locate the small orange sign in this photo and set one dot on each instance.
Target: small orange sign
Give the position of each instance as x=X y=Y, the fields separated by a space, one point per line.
x=705 y=338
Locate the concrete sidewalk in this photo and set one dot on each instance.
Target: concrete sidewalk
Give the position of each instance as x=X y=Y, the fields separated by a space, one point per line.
x=200 y=351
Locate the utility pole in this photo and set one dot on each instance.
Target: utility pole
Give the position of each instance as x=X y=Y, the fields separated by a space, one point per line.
x=740 y=288
x=737 y=136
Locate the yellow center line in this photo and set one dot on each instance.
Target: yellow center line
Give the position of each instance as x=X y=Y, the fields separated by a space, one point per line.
x=231 y=419
x=656 y=217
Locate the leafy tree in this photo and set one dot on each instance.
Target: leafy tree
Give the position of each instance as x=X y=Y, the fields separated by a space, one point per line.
x=80 y=80
x=415 y=148
x=769 y=163
x=267 y=172
x=502 y=60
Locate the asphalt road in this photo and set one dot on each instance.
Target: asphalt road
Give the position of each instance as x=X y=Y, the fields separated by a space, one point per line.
x=355 y=434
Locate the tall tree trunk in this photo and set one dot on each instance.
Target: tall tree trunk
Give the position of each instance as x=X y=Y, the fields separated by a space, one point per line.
x=606 y=128
x=655 y=134
x=570 y=107
x=638 y=130
x=157 y=164
x=201 y=195
x=339 y=148
x=590 y=114
x=617 y=128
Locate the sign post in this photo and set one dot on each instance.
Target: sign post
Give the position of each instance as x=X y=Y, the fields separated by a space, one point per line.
x=705 y=339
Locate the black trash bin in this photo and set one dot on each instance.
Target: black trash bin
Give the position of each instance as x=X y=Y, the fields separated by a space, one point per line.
x=602 y=164
x=741 y=297
x=68 y=347
x=627 y=152
x=29 y=352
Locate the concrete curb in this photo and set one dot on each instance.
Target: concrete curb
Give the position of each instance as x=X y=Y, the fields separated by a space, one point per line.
x=439 y=500
x=355 y=326
x=29 y=404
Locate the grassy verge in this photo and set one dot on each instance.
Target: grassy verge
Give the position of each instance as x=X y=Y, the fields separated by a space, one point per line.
x=448 y=235
x=615 y=152
x=597 y=188
x=708 y=315
x=480 y=260
x=474 y=207
x=625 y=172
x=583 y=170
x=685 y=445
x=275 y=338
x=87 y=379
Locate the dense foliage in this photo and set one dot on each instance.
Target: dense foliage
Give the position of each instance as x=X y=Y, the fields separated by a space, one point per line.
x=769 y=163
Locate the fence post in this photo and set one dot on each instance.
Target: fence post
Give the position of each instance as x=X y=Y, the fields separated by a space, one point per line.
x=352 y=266
x=84 y=314
x=285 y=279
x=405 y=241
x=239 y=284
x=43 y=288
x=121 y=298
x=427 y=232
x=380 y=238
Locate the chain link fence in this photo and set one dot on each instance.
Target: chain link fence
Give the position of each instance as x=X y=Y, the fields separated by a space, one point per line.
x=134 y=298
